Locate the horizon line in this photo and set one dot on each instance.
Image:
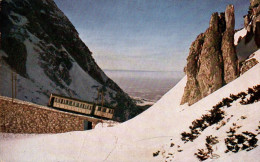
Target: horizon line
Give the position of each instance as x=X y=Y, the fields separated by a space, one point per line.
x=140 y=70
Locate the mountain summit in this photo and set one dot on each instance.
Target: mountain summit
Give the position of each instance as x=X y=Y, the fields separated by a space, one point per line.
x=44 y=48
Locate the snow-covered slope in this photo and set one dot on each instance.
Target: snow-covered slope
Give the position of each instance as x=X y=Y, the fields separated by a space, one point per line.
x=44 y=48
x=157 y=130
x=241 y=33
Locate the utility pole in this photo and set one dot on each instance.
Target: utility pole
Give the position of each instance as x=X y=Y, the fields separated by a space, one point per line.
x=15 y=84
x=12 y=86
x=97 y=95
x=0 y=46
x=102 y=98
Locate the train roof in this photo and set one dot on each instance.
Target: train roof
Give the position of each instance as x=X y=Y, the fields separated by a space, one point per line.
x=53 y=94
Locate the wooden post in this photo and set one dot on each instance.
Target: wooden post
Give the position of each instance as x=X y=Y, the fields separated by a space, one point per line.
x=102 y=103
x=0 y=68
x=12 y=86
x=97 y=96
x=102 y=98
x=15 y=85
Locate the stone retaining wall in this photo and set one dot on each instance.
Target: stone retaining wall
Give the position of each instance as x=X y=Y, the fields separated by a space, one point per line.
x=23 y=117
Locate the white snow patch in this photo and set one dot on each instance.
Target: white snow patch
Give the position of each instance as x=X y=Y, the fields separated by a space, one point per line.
x=21 y=19
x=3 y=54
x=241 y=33
x=257 y=55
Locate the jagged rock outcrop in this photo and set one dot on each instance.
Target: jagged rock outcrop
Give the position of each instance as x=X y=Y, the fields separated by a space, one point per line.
x=228 y=48
x=212 y=61
x=209 y=74
x=192 y=86
x=254 y=2
x=252 y=22
x=248 y=65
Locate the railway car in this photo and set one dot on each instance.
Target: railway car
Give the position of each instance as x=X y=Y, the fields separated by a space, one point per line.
x=79 y=106
x=104 y=112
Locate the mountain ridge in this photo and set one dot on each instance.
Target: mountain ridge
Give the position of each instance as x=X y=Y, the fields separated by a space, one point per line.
x=47 y=44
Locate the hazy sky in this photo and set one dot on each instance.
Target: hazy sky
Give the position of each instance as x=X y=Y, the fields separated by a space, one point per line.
x=152 y=35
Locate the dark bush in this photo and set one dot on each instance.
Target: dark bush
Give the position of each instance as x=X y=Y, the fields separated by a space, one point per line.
x=234 y=141
x=234 y=97
x=216 y=114
x=156 y=153
x=202 y=154
x=212 y=140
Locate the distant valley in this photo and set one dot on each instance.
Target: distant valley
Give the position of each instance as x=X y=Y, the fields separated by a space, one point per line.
x=147 y=85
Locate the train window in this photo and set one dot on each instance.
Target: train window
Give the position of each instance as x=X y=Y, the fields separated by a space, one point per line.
x=67 y=101
x=55 y=99
x=70 y=103
x=77 y=104
x=104 y=110
x=61 y=101
x=99 y=108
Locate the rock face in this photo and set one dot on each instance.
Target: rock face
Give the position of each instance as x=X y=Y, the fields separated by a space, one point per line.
x=254 y=2
x=212 y=61
x=248 y=65
x=228 y=47
x=252 y=22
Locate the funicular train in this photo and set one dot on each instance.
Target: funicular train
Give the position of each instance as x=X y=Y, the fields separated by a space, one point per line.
x=79 y=106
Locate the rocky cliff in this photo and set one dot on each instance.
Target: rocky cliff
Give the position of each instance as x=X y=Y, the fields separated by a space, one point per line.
x=44 y=48
x=212 y=61
x=252 y=22
x=250 y=42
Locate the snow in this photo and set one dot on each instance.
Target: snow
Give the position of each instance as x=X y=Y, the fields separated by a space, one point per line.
x=9 y=1
x=44 y=2
x=241 y=33
x=153 y=130
x=2 y=54
x=257 y=55
x=21 y=19
x=106 y=123
x=244 y=49
x=142 y=102
x=38 y=86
